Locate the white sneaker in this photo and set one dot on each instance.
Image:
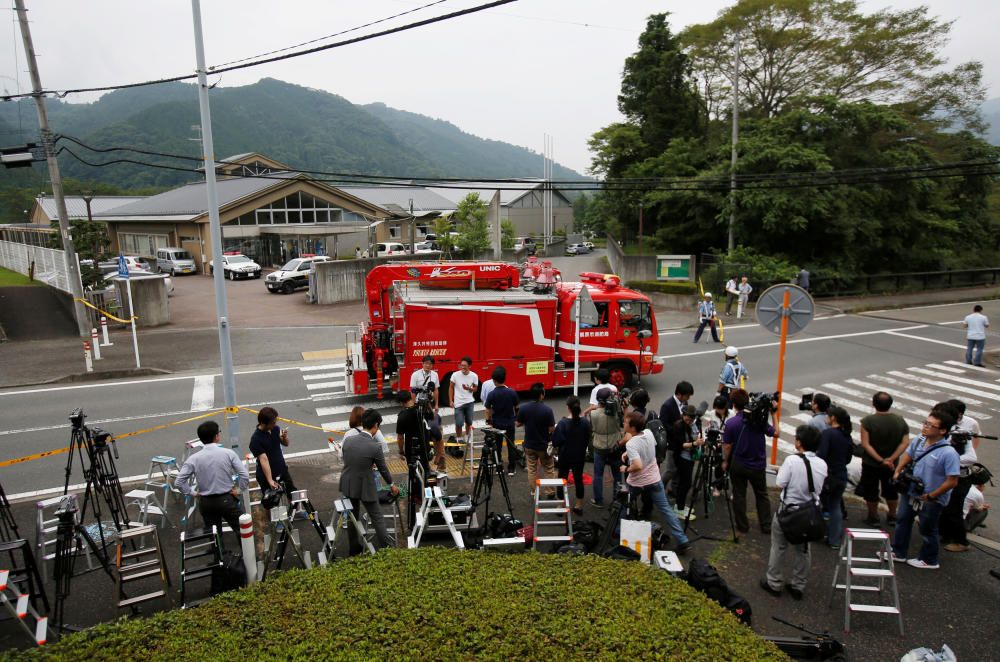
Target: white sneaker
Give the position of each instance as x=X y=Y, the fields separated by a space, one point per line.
x=689 y=514
x=923 y=565
x=896 y=559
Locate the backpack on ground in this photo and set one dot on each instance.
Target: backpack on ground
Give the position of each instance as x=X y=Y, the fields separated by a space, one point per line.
x=230 y=575
x=702 y=576
x=587 y=533
x=740 y=608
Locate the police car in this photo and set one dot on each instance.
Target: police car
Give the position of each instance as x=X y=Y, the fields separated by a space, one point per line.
x=236 y=265
x=293 y=275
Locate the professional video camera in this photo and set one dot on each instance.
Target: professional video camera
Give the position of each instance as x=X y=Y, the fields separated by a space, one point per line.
x=807 y=402
x=908 y=482
x=493 y=438
x=423 y=394
x=760 y=407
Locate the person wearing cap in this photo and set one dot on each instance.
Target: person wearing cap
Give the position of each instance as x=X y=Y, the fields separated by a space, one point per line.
x=607 y=438
x=734 y=374
x=706 y=317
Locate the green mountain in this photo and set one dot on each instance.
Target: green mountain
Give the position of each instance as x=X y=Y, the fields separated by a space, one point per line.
x=305 y=128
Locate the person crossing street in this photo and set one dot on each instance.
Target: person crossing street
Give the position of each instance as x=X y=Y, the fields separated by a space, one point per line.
x=734 y=375
x=743 y=290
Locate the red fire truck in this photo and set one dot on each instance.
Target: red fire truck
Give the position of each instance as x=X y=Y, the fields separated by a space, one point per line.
x=448 y=310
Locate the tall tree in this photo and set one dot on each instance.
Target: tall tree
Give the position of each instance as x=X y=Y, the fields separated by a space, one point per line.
x=470 y=223
x=792 y=48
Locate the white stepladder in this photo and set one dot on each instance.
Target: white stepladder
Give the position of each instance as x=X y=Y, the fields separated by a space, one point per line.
x=343 y=517
x=20 y=601
x=46 y=530
x=163 y=470
x=878 y=567
x=548 y=507
x=433 y=502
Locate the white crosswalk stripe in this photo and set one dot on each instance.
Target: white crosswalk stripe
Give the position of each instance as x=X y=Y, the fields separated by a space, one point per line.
x=908 y=383
x=326 y=385
x=322 y=375
x=958 y=380
x=325 y=366
x=974 y=368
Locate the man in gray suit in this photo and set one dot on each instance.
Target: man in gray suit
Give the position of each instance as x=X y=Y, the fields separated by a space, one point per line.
x=357 y=482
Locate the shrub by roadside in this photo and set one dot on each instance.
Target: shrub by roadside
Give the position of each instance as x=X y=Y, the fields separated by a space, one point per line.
x=437 y=603
x=666 y=287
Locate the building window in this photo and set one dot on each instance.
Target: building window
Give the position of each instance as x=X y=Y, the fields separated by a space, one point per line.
x=142 y=245
x=394 y=231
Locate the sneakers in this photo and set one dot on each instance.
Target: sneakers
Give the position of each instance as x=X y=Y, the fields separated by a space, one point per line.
x=596 y=504
x=896 y=559
x=683 y=548
x=956 y=547
x=794 y=592
x=767 y=587
x=510 y=471
x=923 y=565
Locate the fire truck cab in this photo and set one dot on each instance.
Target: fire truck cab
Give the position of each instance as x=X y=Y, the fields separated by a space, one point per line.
x=452 y=310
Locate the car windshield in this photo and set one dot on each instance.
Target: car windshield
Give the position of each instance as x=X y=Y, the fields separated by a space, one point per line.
x=293 y=265
x=236 y=259
x=182 y=255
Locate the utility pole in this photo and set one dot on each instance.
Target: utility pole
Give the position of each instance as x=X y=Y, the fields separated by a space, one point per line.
x=69 y=252
x=736 y=137
x=218 y=278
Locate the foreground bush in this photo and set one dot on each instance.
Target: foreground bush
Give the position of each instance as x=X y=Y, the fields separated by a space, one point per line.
x=437 y=603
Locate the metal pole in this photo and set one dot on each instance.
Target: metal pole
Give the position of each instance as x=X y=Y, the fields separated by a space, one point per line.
x=640 y=228
x=221 y=307
x=69 y=252
x=131 y=313
x=785 y=310
x=576 y=359
x=736 y=137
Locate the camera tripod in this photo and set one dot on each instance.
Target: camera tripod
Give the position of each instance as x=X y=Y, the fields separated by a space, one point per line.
x=70 y=537
x=8 y=527
x=707 y=477
x=280 y=545
x=102 y=478
x=490 y=468
x=622 y=506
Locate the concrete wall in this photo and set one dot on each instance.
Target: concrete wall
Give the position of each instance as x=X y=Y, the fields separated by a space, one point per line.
x=342 y=280
x=630 y=267
x=149 y=295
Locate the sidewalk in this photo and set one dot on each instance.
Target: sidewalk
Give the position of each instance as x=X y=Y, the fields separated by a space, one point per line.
x=175 y=349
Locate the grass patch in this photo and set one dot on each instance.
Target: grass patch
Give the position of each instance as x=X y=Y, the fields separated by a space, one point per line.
x=10 y=278
x=441 y=604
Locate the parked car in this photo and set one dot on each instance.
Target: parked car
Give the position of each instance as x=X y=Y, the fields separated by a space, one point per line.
x=236 y=265
x=589 y=244
x=174 y=261
x=134 y=264
x=525 y=243
x=112 y=276
x=293 y=275
x=390 y=248
x=426 y=247
x=577 y=249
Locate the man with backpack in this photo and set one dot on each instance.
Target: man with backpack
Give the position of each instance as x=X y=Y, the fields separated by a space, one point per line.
x=607 y=431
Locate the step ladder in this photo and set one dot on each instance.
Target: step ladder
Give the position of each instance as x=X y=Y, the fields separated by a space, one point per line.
x=22 y=590
x=46 y=530
x=143 y=562
x=343 y=517
x=282 y=535
x=163 y=471
x=205 y=545
x=878 y=567
x=472 y=446
x=8 y=526
x=552 y=512
x=433 y=502
x=147 y=504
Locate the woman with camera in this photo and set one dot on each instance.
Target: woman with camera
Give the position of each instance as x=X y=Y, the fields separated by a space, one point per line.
x=569 y=442
x=835 y=448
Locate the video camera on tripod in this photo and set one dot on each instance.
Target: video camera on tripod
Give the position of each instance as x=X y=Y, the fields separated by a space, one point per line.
x=760 y=408
x=493 y=438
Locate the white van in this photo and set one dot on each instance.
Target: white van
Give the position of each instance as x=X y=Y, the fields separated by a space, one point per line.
x=383 y=250
x=174 y=261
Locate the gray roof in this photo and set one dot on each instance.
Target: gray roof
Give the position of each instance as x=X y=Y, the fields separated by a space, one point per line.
x=508 y=192
x=76 y=207
x=191 y=200
x=398 y=197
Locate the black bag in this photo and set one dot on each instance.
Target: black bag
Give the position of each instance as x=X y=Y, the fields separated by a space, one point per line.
x=621 y=553
x=802 y=522
x=587 y=533
x=703 y=577
x=655 y=425
x=230 y=575
x=454 y=451
x=980 y=475
x=572 y=549
x=740 y=608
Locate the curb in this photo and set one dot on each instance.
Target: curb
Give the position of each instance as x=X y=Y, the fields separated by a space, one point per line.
x=100 y=376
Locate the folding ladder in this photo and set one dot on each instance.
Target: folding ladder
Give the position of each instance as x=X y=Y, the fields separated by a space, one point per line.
x=144 y=562
x=199 y=545
x=21 y=590
x=46 y=528
x=343 y=517
x=163 y=471
x=878 y=567
x=433 y=503
x=546 y=508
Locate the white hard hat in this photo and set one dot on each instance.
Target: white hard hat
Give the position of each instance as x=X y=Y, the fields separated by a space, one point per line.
x=731 y=351
x=708 y=295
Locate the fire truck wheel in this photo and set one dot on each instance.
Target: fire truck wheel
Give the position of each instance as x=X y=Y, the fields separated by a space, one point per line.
x=621 y=376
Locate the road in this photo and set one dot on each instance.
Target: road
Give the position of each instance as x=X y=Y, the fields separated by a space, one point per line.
x=916 y=354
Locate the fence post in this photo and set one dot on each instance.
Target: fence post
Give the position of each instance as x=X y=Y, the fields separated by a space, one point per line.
x=86 y=356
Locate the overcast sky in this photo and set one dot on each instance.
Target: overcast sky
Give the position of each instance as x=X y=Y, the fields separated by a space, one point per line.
x=513 y=73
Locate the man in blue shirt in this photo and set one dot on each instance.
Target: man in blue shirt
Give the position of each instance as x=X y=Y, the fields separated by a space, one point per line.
x=734 y=374
x=936 y=464
x=706 y=317
x=501 y=412
x=538 y=421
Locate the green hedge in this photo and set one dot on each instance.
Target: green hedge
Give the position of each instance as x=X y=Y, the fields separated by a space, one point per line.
x=665 y=286
x=437 y=603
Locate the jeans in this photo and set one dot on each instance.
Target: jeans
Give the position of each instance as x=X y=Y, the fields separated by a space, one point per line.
x=701 y=329
x=929 y=517
x=600 y=461
x=658 y=496
x=952 y=520
x=978 y=346
x=548 y=467
x=832 y=497
x=781 y=550
x=757 y=479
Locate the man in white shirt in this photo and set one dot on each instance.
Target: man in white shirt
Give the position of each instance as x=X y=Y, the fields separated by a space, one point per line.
x=732 y=292
x=602 y=380
x=426 y=379
x=952 y=524
x=462 y=396
x=975 y=335
x=743 y=291
x=794 y=483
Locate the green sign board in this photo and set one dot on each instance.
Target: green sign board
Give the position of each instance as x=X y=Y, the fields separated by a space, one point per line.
x=674 y=267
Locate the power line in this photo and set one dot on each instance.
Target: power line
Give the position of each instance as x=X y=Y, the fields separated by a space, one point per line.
x=330 y=36
x=277 y=58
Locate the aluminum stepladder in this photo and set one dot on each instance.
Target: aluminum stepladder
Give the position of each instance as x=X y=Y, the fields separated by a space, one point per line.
x=163 y=470
x=143 y=562
x=343 y=517
x=46 y=528
x=558 y=507
x=878 y=567
x=19 y=601
x=283 y=531
x=195 y=546
x=433 y=502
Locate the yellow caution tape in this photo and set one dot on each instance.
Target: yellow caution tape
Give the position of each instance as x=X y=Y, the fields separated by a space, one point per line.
x=106 y=313
x=232 y=410
x=294 y=422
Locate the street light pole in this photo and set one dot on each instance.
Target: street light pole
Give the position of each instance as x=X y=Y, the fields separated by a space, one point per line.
x=218 y=277
x=736 y=137
x=69 y=252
